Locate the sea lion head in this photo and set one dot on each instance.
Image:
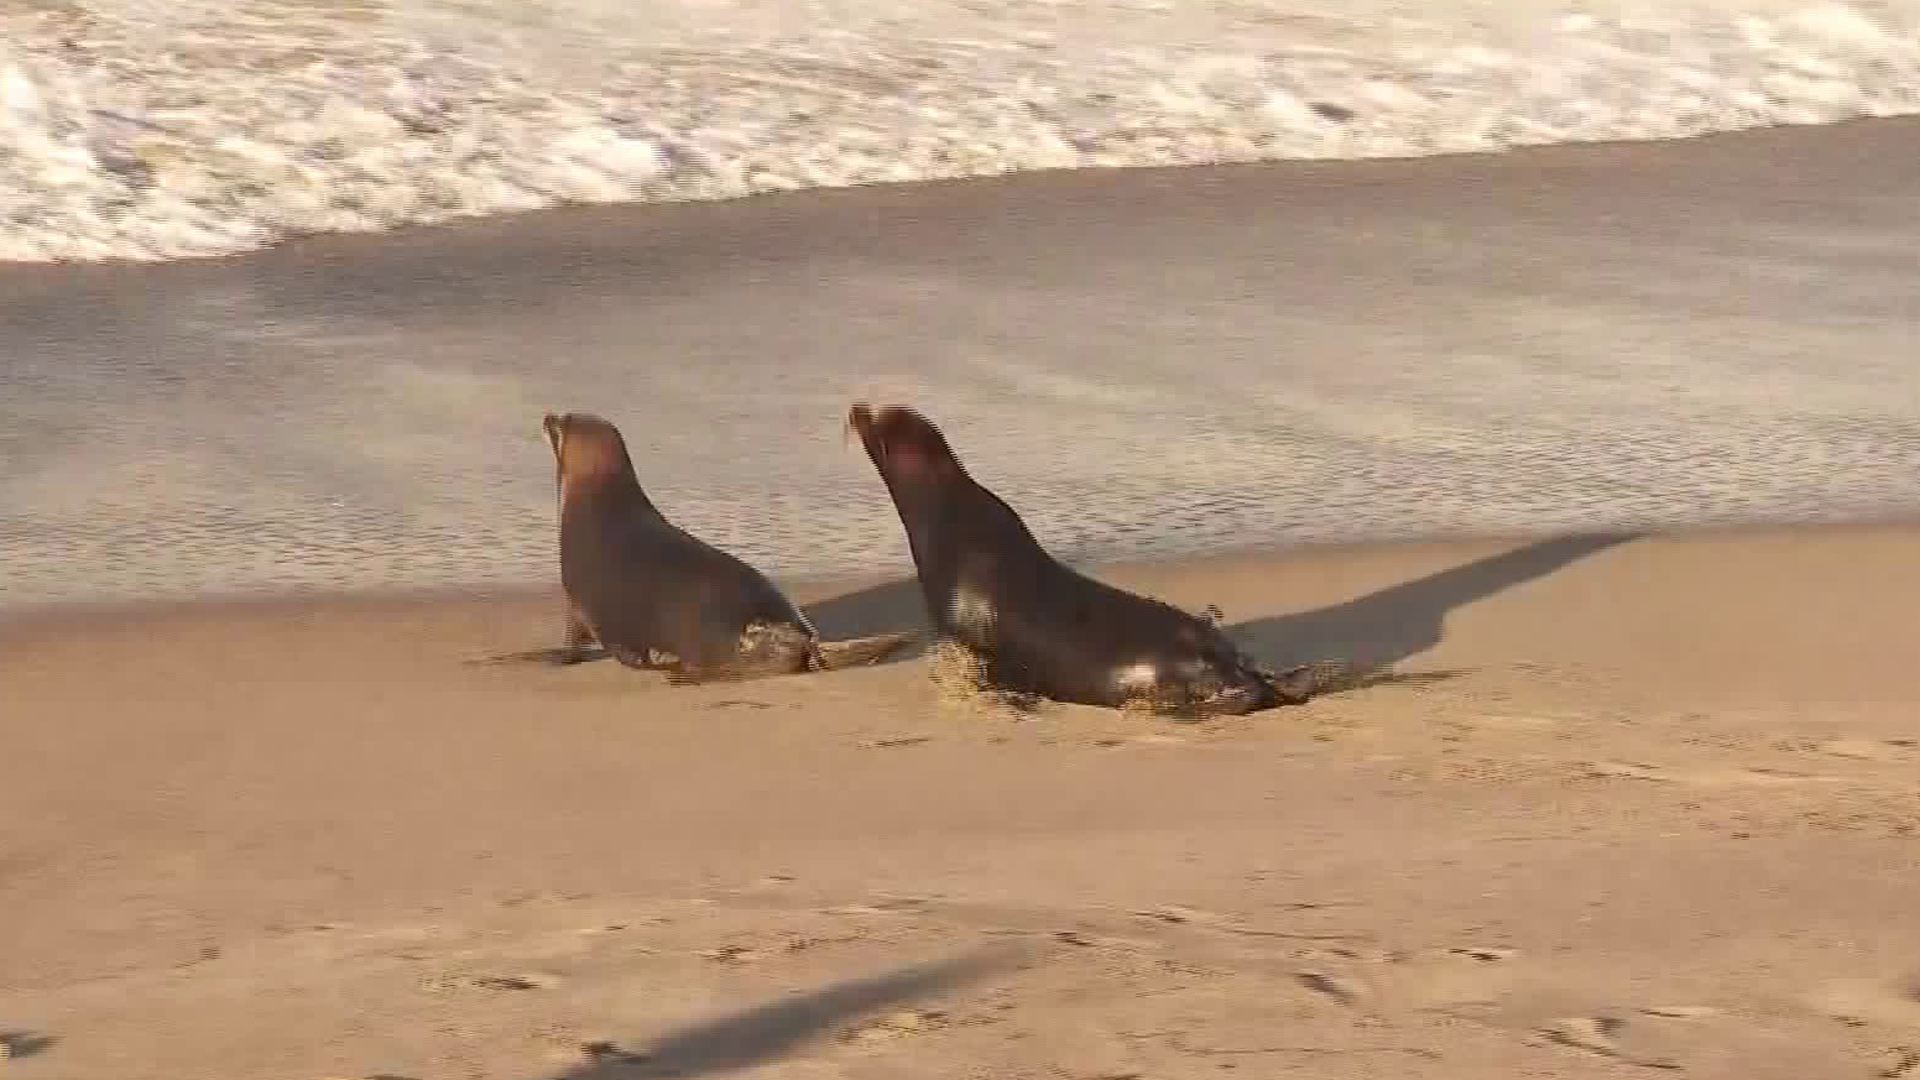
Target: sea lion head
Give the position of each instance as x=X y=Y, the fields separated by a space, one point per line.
x=904 y=445
x=588 y=452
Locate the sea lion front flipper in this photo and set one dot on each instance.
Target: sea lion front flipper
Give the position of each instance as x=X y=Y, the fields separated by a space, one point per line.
x=859 y=652
x=642 y=659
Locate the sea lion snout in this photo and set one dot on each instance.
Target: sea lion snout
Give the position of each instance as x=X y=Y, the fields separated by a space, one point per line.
x=586 y=445
x=901 y=442
x=859 y=423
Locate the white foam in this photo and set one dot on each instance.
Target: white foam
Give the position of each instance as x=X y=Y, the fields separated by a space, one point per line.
x=146 y=130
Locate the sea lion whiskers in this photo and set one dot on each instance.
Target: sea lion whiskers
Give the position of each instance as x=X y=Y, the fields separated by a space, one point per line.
x=850 y=425
x=860 y=424
x=903 y=442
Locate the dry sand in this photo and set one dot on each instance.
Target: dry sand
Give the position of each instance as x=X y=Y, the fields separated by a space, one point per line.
x=299 y=840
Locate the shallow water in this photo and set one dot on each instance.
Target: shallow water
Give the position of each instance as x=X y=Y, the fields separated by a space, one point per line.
x=161 y=129
x=1144 y=363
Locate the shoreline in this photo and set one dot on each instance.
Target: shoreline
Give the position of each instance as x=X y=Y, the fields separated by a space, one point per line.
x=809 y=591
x=535 y=230
x=501 y=224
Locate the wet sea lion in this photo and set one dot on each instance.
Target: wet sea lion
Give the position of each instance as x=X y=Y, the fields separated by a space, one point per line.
x=1035 y=624
x=654 y=595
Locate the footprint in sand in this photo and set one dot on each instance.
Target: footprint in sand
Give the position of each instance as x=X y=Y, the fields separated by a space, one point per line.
x=1680 y=1012
x=1470 y=976
x=1626 y=770
x=1898 y=1062
x=1528 y=722
x=896 y=742
x=15 y=1045
x=516 y=982
x=1600 y=1035
x=1461 y=975
x=890 y=905
x=1149 y=739
x=1739 y=777
x=898 y=1025
x=1891 y=1002
x=1345 y=991
x=1214 y=922
x=1899 y=750
x=734 y=954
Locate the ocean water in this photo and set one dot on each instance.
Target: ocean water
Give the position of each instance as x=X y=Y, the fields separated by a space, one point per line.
x=1145 y=364
x=1174 y=365
x=167 y=129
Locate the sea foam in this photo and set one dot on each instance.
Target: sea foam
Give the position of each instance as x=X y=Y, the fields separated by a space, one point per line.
x=166 y=129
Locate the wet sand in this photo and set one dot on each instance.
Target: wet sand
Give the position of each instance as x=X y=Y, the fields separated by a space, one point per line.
x=1637 y=803
x=1146 y=363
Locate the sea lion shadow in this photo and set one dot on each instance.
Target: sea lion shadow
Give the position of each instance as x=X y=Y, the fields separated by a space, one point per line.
x=895 y=607
x=1370 y=635
x=764 y=1033
x=1351 y=645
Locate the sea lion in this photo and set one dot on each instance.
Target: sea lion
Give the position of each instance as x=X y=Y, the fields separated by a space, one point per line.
x=656 y=596
x=1037 y=625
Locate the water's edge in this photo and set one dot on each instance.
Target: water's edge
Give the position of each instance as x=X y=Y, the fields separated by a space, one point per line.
x=809 y=591
x=1143 y=362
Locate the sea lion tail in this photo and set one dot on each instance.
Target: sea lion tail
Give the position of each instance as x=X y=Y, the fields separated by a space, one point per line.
x=860 y=652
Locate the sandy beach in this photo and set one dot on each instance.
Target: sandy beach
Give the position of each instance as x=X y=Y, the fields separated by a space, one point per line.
x=1629 y=804
x=1630 y=791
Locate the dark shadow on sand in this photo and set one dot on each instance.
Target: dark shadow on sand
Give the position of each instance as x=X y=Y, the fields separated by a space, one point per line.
x=766 y=1032
x=1374 y=632
x=552 y=655
x=1367 y=636
x=891 y=608
x=24 y=1044
x=895 y=607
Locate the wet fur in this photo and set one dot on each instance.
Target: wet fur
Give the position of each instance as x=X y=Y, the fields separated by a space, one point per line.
x=1036 y=624
x=657 y=597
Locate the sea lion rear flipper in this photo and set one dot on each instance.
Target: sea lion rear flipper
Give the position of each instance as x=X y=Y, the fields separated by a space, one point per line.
x=578 y=635
x=1295 y=686
x=859 y=652
x=1303 y=682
